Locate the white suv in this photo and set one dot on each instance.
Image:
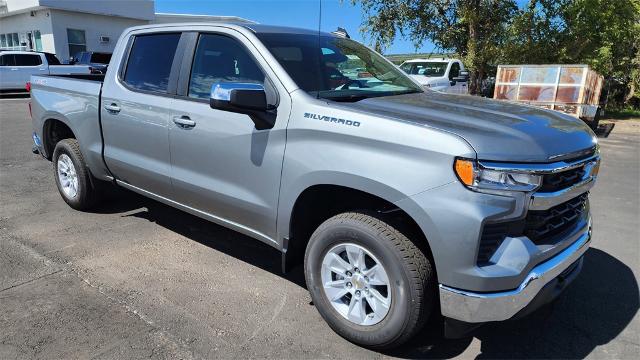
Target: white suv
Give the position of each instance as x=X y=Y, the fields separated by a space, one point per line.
x=16 y=68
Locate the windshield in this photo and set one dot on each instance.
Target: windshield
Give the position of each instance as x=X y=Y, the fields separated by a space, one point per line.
x=429 y=69
x=336 y=68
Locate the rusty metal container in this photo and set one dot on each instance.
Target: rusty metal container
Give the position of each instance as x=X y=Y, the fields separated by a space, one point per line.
x=572 y=89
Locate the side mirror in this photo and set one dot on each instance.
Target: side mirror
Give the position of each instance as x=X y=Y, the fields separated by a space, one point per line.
x=243 y=98
x=463 y=76
x=72 y=60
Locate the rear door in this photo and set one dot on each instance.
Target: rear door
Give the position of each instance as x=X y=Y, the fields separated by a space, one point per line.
x=137 y=109
x=222 y=165
x=27 y=65
x=7 y=72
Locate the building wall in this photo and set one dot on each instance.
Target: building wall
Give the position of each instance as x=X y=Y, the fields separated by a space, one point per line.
x=24 y=23
x=138 y=9
x=94 y=26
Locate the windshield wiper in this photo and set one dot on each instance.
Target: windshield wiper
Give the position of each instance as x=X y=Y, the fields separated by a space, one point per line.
x=349 y=98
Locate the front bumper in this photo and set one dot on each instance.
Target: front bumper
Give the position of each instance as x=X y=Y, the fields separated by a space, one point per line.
x=478 y=307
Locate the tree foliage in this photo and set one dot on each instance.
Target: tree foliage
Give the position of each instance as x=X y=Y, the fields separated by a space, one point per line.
x=602 y=33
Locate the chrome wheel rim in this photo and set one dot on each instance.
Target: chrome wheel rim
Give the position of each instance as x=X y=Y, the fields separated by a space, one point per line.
x=67 y=176
x=356 y=284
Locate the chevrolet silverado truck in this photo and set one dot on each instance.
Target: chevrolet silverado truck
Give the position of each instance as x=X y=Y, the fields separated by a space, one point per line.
x=441 y=74
x=399 y=203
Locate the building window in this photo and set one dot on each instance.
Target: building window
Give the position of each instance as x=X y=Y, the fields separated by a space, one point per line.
x=77 y=41
x=10 y=42
x=37 y=39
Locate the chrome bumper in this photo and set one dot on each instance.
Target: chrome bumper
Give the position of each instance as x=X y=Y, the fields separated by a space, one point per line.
x=475 y=307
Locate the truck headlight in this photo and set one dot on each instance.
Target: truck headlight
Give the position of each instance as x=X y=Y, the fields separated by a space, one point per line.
x=471 y=174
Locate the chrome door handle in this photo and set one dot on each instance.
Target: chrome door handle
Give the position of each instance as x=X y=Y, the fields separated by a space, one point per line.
x=184 y=121
x=14 y=69
x=112 y=108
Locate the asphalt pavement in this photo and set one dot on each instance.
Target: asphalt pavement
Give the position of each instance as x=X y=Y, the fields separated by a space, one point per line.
x=136 y=278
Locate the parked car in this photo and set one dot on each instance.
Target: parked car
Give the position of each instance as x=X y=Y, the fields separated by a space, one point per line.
x=400 y=202
x=16 y=67
x=446 y=75
x=97 y=61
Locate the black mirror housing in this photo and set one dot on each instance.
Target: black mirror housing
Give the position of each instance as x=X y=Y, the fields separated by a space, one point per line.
x=243 y=98
x=463 y=76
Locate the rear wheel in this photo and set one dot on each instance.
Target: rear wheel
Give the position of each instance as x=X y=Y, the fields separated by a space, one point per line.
x=370 y=283
x=71 y=174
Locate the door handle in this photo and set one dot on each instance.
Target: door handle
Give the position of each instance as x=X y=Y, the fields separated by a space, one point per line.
x=184 y=121
x=14 y=69
x=112 y=108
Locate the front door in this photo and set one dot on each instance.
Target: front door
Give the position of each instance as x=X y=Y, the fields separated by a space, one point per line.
x=136 y=114
x=221 y=164
x=458 y=87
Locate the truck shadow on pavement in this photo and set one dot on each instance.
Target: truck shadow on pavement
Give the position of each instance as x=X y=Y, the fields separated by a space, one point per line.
x=594 y=309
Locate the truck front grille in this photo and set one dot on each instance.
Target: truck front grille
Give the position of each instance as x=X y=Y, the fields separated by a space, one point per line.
x=561 y=180
x=542 y=227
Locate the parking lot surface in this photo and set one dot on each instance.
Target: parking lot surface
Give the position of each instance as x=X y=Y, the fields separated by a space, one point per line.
x=136 y=278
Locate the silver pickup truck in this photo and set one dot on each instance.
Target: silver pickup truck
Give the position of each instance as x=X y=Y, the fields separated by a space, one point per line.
x=401 y=203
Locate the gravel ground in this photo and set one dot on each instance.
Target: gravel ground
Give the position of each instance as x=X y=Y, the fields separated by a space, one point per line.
x=136 y=278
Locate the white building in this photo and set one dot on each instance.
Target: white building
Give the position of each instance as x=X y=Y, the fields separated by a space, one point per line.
x=65 y=27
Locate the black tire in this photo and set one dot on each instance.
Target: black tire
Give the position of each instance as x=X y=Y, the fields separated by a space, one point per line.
x=85 y=195
x=411 y=278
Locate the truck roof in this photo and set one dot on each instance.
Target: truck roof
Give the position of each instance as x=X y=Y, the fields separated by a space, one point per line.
x=5 y=51
x=255 y=28
x=430 y=60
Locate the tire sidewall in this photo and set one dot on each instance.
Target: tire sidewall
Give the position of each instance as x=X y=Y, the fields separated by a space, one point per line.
x=396 y=320
x=80 y=200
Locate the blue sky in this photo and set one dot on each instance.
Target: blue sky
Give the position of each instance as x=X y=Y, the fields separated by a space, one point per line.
x=296 y=13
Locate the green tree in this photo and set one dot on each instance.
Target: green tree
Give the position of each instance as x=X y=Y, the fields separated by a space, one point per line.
x=602 y=33
x=474 y=29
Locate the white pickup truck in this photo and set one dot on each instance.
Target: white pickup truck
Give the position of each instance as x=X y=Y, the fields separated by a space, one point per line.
x=16 y=68
x=446 y=75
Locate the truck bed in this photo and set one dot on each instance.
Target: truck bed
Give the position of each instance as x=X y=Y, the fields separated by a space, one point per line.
x=74 y=100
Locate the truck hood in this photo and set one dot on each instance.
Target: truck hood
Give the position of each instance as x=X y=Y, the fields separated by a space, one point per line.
x=497 y=130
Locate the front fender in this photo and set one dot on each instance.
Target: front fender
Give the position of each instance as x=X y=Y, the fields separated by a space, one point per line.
x=293 y=190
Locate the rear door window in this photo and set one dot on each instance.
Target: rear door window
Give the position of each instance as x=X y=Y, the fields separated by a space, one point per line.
x=150 y=61
x=52 y=59
x=27 y=60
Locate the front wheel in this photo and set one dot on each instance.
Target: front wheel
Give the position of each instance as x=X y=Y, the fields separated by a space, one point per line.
x=370 y=283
